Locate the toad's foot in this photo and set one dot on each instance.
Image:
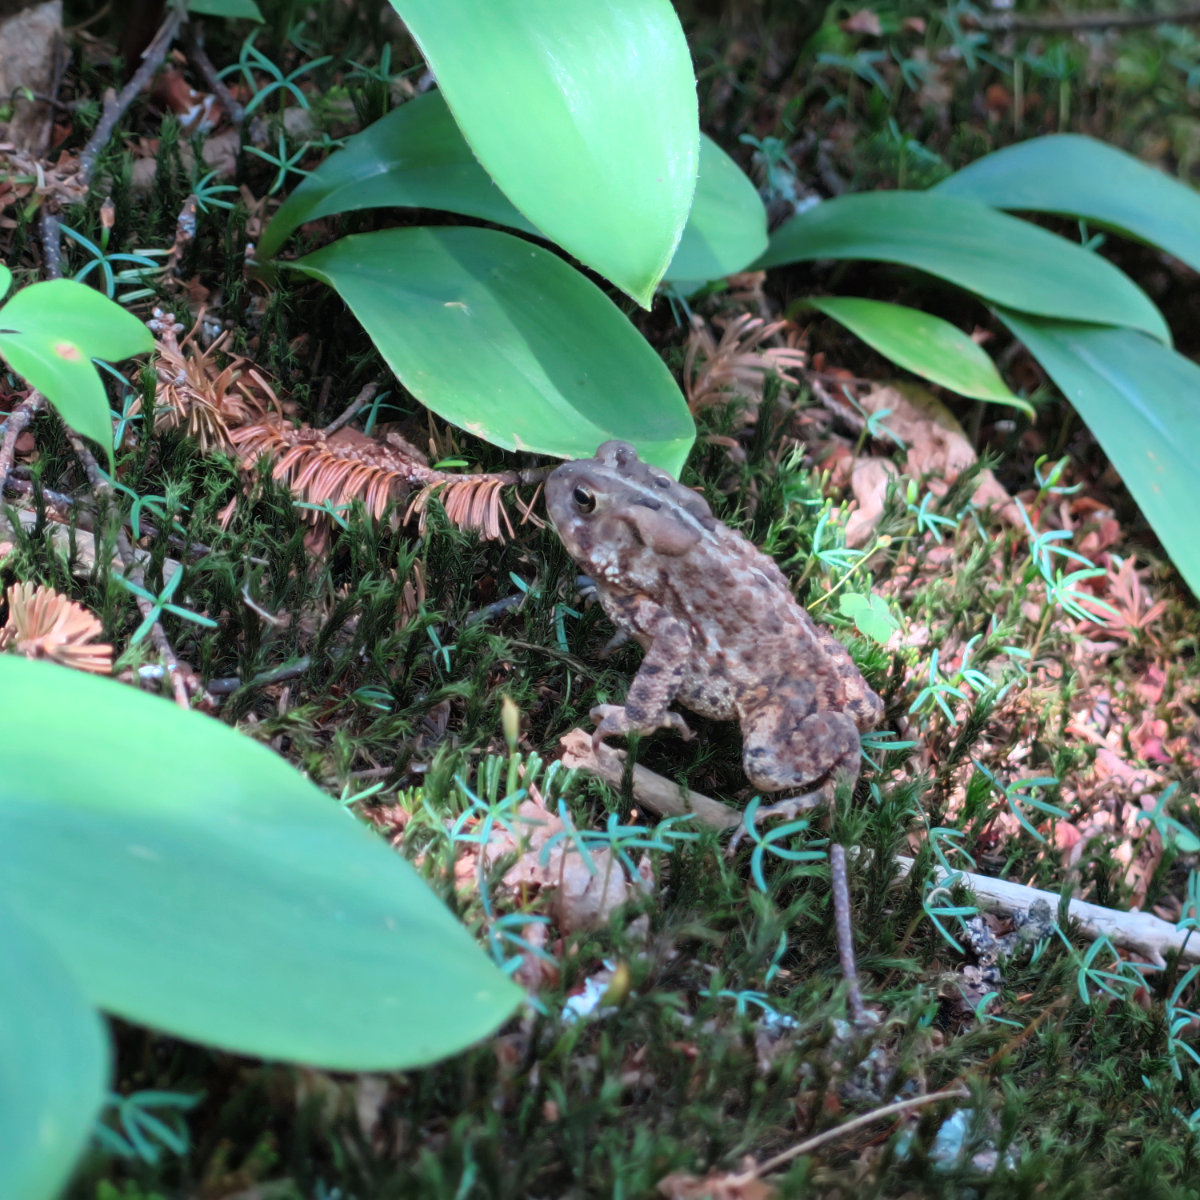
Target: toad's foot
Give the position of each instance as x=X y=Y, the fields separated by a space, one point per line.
x=790 y=808
x=613 y=720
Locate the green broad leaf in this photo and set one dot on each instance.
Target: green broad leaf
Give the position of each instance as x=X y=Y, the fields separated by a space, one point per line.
x=1138 y=398
x=415 y=157
x=1081 y=177
x=194 y=882
x=1001 y=258
x=5 y=280
x=923 y=344
x=100 y=327
x=584 y=114
x=54 y=1064
x=61 y=370
x=50 y=332
x=727 y=227
x=231 y=10
x=505 y=340
x=870 y=614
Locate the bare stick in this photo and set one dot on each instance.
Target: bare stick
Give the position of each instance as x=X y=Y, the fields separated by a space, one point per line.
x=293 y=670
x=51 y=243
x=1081 y=22
x=829 y=1135
x=17 y=423
x=845 y=932
x=1141 y=932
x=66 y=504
x=649 y=790
x=116 y=106
x=364 y=397
x=193 y=44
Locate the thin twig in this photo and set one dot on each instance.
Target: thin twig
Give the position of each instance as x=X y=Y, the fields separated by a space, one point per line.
x=845 y=934
x=18 y=421
x=193 y=45
x=1082 y=22
x=116 y=106
x=662 y=796
x=829 y=1135
x=364 y=397
x=63 y=105
x=231 y=683
x=51 y=243
x=66 y=504
x=1141 y=932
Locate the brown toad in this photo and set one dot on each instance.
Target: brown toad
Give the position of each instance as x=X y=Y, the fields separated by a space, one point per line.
x=721 y=629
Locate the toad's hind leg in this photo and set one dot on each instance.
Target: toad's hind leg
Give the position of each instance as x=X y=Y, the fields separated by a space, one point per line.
x=781 y=754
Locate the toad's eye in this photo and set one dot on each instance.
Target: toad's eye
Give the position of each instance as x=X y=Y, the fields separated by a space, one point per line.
x=584 y=500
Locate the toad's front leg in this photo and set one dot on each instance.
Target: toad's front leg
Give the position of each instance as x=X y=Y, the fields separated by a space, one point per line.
x=647 y=704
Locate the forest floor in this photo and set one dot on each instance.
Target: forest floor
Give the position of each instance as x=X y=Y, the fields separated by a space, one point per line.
x=1041 y=727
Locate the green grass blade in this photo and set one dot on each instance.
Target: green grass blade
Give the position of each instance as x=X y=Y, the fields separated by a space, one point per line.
x=100 y=327
x=727 y=227
x=415 y=157
x=61 y=370
x=923 y=344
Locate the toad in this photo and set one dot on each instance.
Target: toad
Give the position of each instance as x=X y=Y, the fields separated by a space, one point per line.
x=721 y=630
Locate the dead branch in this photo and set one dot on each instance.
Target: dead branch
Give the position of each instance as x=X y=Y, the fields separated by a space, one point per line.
x=364 y=397
x=227 y=685
x=1082 y=22
x=1142 y=933
x=652 y=791
x=193 y=45
x=84 y=549
x=115 y=107
x=17 y=423
x=829 y=1135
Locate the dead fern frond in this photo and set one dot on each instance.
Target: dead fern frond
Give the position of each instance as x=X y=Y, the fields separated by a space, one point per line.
x=345 y=466
x=738 y=364
x=208 y=399
x=334 y=469
x=43 y=623
x=470 y=501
